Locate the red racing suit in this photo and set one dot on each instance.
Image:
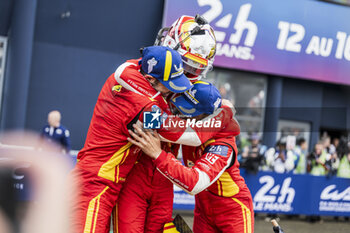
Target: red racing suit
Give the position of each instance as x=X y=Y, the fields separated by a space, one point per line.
x=223 y=201
x=107 y=157
x=145 y=203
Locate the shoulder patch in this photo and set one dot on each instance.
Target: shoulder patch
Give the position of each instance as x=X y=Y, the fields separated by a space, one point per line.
x=59 y=131
x=155 y=108
x=217 y=149
x=117 y=88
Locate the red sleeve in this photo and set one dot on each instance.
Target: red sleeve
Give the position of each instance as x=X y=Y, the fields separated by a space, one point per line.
x=128 y=75
x=206 y=170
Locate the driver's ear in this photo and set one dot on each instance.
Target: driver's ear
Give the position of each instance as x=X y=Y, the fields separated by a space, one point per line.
x=150 y=78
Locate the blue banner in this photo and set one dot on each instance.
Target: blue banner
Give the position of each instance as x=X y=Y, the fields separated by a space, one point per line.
x=290 y=194
x=183 y=200
x=271 y=192
x=307 y=39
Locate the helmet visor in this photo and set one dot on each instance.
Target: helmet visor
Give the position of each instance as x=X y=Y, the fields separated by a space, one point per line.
x=194 y=64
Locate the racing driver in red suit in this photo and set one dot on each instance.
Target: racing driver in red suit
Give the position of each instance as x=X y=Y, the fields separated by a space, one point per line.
x=223 y=201
x=107 y=157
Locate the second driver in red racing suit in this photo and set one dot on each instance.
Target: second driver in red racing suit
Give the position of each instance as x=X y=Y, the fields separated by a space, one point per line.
x=223 y=201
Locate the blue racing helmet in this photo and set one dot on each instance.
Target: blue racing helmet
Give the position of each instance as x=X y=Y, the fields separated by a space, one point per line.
x=165 y=64
x=203 y=97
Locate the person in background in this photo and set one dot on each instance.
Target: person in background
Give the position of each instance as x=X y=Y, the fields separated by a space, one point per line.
x=316 y=161
x=326 y=142
x=253 y=155
x=343 y=150
x=55 y=132
x=300 y=153
x=344 y=166
x=332 y=163
x=335 y=144
x=280 y=160
x=332 y=160
x=316 y=166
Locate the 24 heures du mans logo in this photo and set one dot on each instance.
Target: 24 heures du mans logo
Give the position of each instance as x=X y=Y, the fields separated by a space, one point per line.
x=230 y=39
x=274 y=197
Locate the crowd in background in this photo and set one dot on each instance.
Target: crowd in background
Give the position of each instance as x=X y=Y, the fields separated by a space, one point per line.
x=291 y=155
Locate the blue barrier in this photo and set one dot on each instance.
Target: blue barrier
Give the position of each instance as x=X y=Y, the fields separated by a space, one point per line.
x=271 y=192
x=289 y=194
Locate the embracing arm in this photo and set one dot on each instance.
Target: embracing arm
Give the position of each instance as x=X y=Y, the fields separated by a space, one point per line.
x=208 y=168
x=205 y=171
